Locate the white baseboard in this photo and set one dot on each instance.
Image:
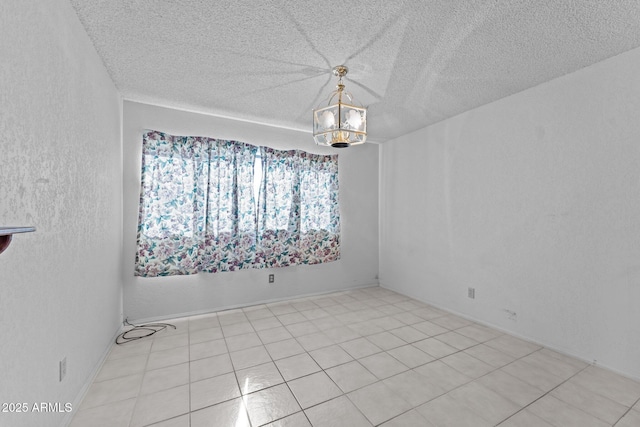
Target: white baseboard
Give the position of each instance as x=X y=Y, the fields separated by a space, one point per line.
x=232 y=307
x=87 y=384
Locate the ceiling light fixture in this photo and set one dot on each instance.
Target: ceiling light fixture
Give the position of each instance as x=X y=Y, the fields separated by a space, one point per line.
x=342 y=124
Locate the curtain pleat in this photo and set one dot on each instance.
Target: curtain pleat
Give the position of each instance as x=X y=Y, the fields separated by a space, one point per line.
x=198 y=210
x=299 y=216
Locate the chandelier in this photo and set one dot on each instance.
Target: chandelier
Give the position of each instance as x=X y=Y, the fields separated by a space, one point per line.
x=340 y=124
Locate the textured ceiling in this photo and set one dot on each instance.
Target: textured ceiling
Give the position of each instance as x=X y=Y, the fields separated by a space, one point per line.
x=412 y=62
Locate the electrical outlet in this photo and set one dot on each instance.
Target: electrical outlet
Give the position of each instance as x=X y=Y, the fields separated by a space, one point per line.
x=272 y=278
x=63 y=368
x=471 y=293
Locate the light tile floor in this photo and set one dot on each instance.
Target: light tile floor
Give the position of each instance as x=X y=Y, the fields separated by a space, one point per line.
x=353 y=358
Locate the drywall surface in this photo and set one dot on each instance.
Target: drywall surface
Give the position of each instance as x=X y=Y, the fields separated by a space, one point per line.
x=60 y=145
x=148 y=298
x=533 y=200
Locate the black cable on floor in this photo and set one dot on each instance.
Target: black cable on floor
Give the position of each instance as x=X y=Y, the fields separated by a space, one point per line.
x=152 y=328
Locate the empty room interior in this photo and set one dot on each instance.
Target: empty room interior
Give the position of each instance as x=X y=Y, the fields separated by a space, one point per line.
x=339 y=213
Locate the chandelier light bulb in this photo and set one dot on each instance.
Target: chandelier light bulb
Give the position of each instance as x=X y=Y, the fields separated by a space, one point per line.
x=328 y=120
x=354 y=119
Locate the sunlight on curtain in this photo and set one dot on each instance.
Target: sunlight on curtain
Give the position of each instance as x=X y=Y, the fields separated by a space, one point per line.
x=172 y=204
x=230 y=242
x=199 y=210
x=299 y=216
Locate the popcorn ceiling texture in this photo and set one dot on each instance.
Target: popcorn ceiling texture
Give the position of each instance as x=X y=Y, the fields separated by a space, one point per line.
x=412 y=62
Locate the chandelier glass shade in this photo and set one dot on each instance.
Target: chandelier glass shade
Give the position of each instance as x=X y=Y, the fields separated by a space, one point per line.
x=340 y=122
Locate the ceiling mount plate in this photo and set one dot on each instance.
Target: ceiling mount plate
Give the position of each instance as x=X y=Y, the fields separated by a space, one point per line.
x=340 y=70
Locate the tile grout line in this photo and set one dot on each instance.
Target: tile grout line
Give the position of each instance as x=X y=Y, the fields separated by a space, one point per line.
x=365 y=337
x=345 y=394
x=303 y=410
x=286 y=382
x=242 y=395
x=273 y=361
x=627 y=411
x=457 y=387
x=547 y=393
x=464 y=350
x=144 y=371
x=352 y=320
x=475 y=379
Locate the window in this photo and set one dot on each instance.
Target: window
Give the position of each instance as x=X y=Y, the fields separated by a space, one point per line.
x=213 y=205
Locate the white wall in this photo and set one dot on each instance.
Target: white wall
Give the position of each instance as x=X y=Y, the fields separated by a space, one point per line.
x=534 y=200
x=60 y=171
x=146 y=298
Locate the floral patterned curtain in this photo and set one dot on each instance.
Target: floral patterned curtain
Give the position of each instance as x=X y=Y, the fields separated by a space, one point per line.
x=230 y=237
x=198 y=210
x=172 y=204
x=299 y=215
